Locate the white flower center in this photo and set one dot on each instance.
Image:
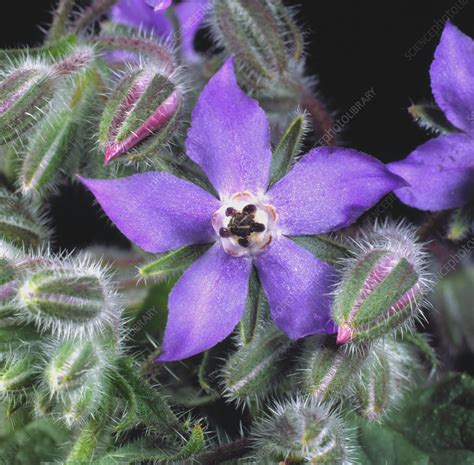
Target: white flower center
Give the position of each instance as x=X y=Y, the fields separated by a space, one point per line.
x=244 y=224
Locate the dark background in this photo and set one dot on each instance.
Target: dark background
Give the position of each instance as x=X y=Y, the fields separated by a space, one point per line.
x=352 y=47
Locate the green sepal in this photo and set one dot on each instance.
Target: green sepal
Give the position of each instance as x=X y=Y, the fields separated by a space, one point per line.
x=430 y=117
x=255 y=370
x=15 y=338
x=323 y=248
x=329 y=373
x=287 y=149
x=172 y=263
x=153 y=410
x=255 y=309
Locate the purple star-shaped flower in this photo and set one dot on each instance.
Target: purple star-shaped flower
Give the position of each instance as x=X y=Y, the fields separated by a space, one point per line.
x=248 y=225
x=440 y=173
x=138 y=14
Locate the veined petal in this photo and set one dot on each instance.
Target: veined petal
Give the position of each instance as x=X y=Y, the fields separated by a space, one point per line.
x=297 y=286
x=452 y=77
x=206 y=304
x=230 y=136
x=328 y=189
x=440 y=173
x=136 y=13
x=157 y=211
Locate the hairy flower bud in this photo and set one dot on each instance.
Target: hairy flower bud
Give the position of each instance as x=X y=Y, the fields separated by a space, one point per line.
x=54 y=148
x=302 y=431
x=263 y=37
x=28 y=88
x=71 y=297
x=141 y=113
x=383 y=287
x=25 y=92
x=329 y=373
x=17 y=374
x=384 y=378
x=20 y=228
x=256 y=369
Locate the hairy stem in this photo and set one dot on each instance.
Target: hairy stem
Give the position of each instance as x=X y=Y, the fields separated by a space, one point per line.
x=98 y=8
x=60 y=19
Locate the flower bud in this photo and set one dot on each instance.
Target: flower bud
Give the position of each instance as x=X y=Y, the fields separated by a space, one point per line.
x=329 y=373
x=74 y=363
x=141 y=114
x=28 y=88
x=258 y=368
x=263 y=37
x=20 y=228
x=52 y=150
x=302 y=431
x=25 y=93
x=72 y=298
x=384 y=378
x=383 y=287
x=17 y=374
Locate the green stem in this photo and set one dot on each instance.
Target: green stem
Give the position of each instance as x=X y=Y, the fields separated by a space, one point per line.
x=98 y=8
x=60 y=19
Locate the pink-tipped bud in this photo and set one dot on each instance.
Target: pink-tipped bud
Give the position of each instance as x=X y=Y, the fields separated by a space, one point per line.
x=140 y=115
x=383 y=286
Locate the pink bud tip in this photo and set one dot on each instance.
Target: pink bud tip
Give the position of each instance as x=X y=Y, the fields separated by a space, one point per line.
x=158 y=5
x=344 y=334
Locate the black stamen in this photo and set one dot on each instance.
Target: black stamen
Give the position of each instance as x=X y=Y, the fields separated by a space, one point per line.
x=249 y=209
x=258 y=227
x=244 y=242
x=230 y=211
x=224 y=232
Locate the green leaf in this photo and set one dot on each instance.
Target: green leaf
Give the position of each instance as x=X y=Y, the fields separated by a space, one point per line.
x=434 y=426
x=323 y=248
x=174 y=262
x=285 y=153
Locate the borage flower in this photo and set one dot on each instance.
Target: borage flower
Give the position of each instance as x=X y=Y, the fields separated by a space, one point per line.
x=248 y=225
x=138 y=14
x=440 y=172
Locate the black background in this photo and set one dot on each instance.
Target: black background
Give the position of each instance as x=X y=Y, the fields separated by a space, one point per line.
x=353 y=46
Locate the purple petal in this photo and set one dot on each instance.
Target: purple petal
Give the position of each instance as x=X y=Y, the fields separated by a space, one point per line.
x=136 y=13
x=297 y=286
x=230 y=136
x=440 y=173
x=159 y=5
x=452 y=77
x=206 y=304
x=191 y=14
x=157 y=211
x=328 y=189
